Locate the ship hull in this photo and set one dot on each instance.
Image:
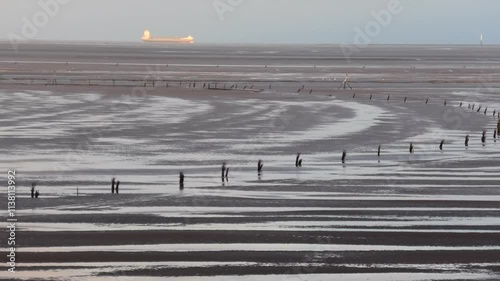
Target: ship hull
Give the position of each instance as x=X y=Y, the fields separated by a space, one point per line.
x=165 y=40
x=146 y=37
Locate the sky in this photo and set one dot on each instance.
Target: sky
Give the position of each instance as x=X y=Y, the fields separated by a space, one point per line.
x=256 y=21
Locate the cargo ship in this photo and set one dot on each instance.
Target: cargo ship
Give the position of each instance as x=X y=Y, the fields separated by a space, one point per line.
x=146 y=37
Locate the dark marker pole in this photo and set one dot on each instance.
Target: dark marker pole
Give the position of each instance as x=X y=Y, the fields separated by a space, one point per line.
x=259 y=167
x=441 y=145
x=181 y=181
x=466 y=140
x=344 y=154
x=33 y=185
x=411 y=148
x=113 y=185
x=378 y=152
x=483 y=138
x=297 y=160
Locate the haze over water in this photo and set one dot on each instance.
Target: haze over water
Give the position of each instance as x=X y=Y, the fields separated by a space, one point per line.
x=256 y=21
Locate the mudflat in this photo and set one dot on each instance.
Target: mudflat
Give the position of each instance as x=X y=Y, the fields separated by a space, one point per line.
x=75 y=116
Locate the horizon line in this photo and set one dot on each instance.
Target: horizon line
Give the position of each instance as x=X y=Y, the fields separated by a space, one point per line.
x=46 y=41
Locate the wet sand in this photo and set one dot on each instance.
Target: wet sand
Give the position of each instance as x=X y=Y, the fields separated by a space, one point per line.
x=431 y=215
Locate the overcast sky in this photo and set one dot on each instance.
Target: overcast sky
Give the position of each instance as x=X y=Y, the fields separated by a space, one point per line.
x=254 y=21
